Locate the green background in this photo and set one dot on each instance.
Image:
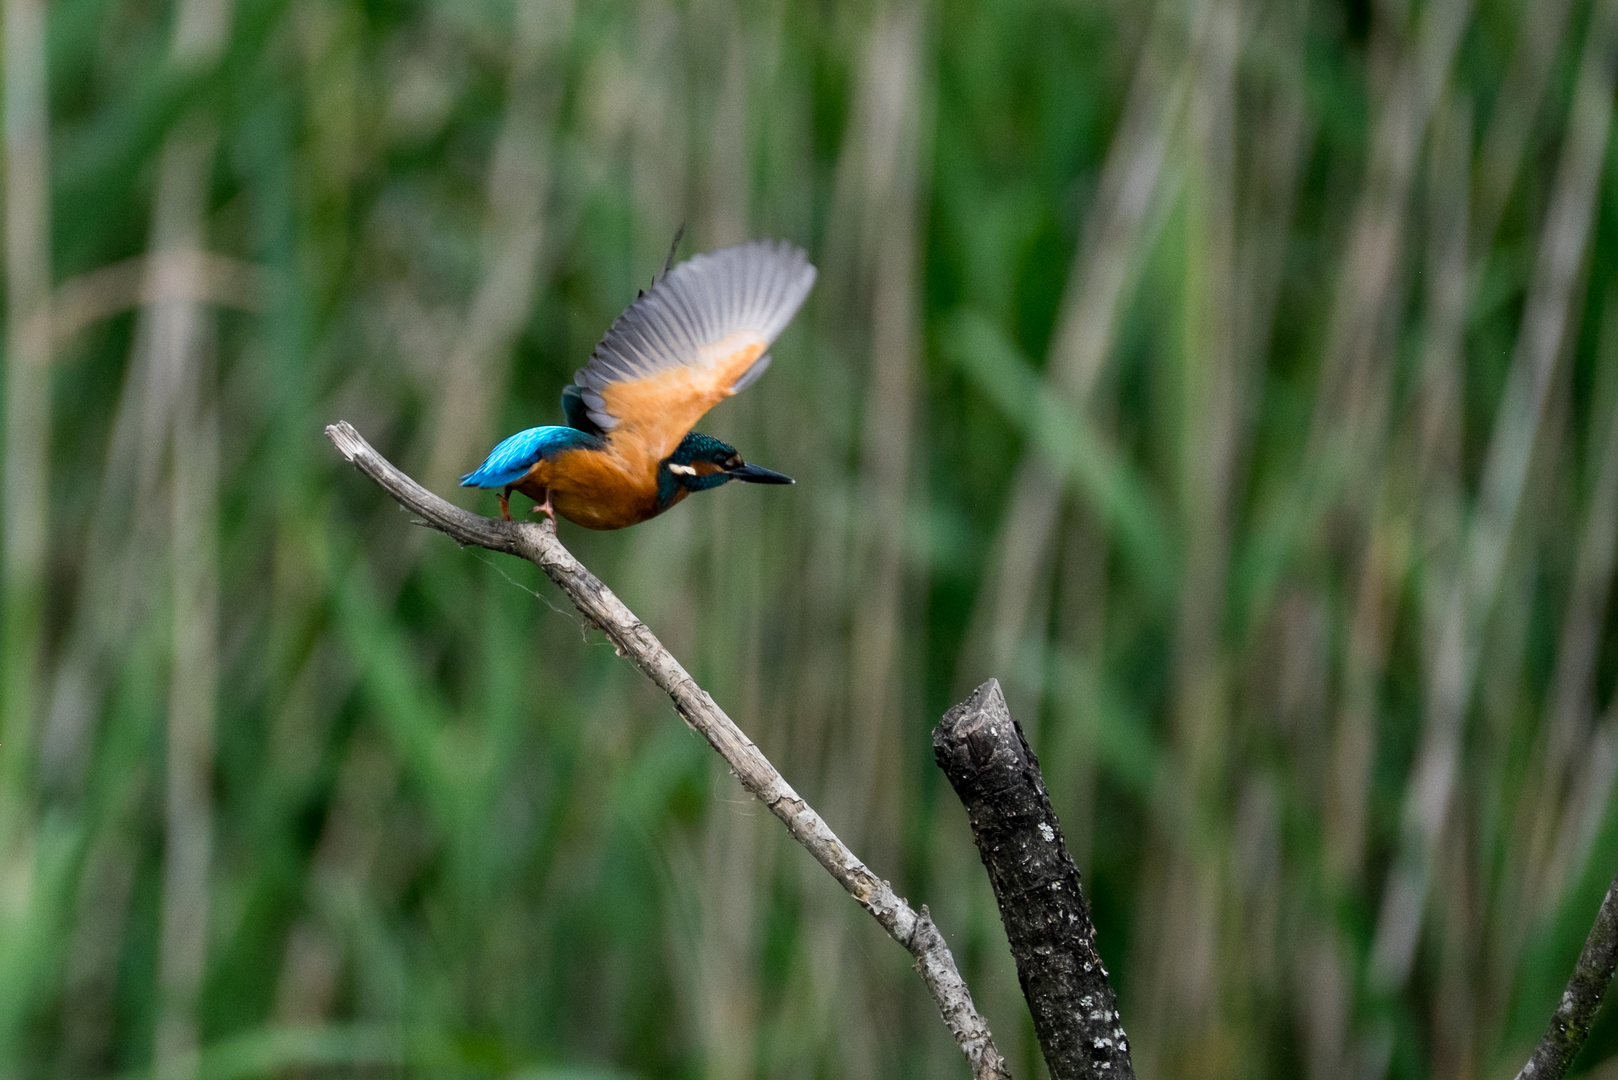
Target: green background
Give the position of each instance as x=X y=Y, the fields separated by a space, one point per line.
x=1233 y=380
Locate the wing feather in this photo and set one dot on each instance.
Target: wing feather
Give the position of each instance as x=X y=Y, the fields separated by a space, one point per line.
x=699 y=335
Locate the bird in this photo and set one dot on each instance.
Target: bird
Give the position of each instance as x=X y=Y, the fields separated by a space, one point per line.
x=628 y=451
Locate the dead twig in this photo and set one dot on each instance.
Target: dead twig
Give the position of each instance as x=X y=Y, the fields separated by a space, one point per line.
x=538 y=544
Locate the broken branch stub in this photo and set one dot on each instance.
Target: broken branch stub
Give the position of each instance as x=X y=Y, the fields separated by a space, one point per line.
x=1036 y=885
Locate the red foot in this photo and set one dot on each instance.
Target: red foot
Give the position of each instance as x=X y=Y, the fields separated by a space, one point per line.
x=546 y=508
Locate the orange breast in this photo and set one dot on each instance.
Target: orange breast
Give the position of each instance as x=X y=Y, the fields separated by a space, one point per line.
x=598 y=489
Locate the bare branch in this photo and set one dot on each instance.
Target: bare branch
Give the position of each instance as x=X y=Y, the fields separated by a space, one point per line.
x=538 y=544
x=1591 y=975
x=1036 y=885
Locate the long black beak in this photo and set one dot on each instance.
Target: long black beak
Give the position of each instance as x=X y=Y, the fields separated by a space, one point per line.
x=758 y=474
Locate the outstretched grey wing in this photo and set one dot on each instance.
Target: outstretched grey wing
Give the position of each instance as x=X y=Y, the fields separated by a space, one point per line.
x=699 y=335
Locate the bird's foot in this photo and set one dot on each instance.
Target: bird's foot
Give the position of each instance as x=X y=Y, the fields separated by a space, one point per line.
x=505 y=505
x=547 y=509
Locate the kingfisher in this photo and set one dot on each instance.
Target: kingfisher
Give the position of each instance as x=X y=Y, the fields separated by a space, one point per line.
x=627 y=453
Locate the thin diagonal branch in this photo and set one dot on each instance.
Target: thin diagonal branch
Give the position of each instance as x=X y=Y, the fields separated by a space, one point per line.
x=1577 y=1010
x=538 y=544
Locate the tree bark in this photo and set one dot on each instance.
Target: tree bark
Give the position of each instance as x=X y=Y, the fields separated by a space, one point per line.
x=988 y=761
x=1570 y=1025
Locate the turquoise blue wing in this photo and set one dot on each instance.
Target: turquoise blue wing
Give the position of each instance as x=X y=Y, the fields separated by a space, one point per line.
x=510 y=461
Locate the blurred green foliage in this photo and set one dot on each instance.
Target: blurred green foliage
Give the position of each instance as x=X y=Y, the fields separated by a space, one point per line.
x=1234 y=380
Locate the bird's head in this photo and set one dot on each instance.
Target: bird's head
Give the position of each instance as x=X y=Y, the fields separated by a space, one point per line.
x=701 y=462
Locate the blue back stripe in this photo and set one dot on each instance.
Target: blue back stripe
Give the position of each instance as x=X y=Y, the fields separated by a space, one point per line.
x=510 y=461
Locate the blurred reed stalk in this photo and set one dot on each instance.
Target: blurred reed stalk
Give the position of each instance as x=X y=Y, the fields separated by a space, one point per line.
x=888 y=180
x=24 y=488
x=1182 y=958
x=729 y=878
x=178 y=338
x=27 y=429
x=1271 y=150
